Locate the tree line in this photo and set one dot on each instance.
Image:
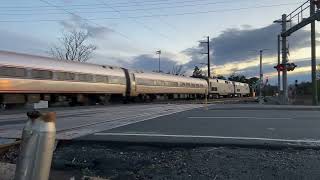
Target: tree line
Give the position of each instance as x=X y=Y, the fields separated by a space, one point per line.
x=198 y=73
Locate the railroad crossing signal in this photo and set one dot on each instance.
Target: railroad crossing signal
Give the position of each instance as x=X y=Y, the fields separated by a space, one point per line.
x=280 y=67
x=288 y=67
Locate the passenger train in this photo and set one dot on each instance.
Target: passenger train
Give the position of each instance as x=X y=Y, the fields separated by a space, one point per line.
x=30 y=79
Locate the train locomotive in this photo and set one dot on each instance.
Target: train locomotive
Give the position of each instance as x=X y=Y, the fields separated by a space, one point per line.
x=26 y=79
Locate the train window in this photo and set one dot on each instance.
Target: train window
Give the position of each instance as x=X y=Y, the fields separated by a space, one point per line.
x=12 y=72
x=41 y=74
x=197 y=85
x=214 y=89
x=65 y=76
x=174 y=84
x=201 y=85
x=193 y=85
x=160 y=83
x=238 y=90
x=85 y=77
x=117 y=80
x=145 y=82
x=182 y=84
x=188 y=85
x=101 y=79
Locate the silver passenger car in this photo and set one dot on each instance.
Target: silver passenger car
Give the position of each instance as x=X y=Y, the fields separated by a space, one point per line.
x=220 y=87
x=160 y=84
x=28 y=78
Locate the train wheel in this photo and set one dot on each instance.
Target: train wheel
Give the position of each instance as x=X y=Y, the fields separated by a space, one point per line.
x=2 y=107
x=104 y=100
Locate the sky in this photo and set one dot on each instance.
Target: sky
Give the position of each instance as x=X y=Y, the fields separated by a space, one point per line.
x=127 y=33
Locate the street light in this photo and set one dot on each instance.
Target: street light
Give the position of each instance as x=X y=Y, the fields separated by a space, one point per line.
x=159 y=52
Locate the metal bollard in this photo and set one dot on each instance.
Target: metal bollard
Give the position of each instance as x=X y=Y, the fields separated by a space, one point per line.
x=36 y=150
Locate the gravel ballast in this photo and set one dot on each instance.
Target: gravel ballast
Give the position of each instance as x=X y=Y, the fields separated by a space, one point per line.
x=155 y=162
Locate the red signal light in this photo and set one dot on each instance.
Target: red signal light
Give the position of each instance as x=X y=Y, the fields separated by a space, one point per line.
x=288 y=67
x=281 y=67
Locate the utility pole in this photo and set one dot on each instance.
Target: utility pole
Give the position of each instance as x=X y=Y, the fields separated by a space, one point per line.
x=313 y=56
x=261 y=78
x=261 y=75
x=159 y=52
x=279 y=57
x=284 y=59
x=208 y=47
x=208 y=53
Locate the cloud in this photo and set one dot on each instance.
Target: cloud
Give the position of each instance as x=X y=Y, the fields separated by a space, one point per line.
x=235 y=44
x=76 y=22
x=151 y=63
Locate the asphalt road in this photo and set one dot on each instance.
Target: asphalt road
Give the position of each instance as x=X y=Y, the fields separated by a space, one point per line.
x=76 y=122
x=225 y=124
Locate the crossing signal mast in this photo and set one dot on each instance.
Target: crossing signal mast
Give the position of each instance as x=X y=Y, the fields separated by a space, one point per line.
x=301 y=18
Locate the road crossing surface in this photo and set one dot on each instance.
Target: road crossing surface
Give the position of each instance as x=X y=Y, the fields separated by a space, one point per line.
x=225 y=124
x=75 y=123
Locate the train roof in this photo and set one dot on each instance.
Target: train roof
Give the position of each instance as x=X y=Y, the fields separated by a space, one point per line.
x=223 y=81
x=41 y=62
x=167 y=77
x=219 y=80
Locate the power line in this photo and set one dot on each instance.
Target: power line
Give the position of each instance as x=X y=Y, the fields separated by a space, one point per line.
x=162 y=15
x=138 y=22
x=88 y=20
x=133 y=10
x=101 y=4
x=164 y=22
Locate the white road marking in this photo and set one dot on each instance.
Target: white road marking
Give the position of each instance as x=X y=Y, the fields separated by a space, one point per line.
x=236 y=117
x=209 y=137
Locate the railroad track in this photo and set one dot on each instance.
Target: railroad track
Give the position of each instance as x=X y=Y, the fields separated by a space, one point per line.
x=210 y=101
x=6 y=146
x=78 y=122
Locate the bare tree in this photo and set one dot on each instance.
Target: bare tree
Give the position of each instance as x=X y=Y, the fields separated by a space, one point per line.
x=177 y=70
x=72 y=47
